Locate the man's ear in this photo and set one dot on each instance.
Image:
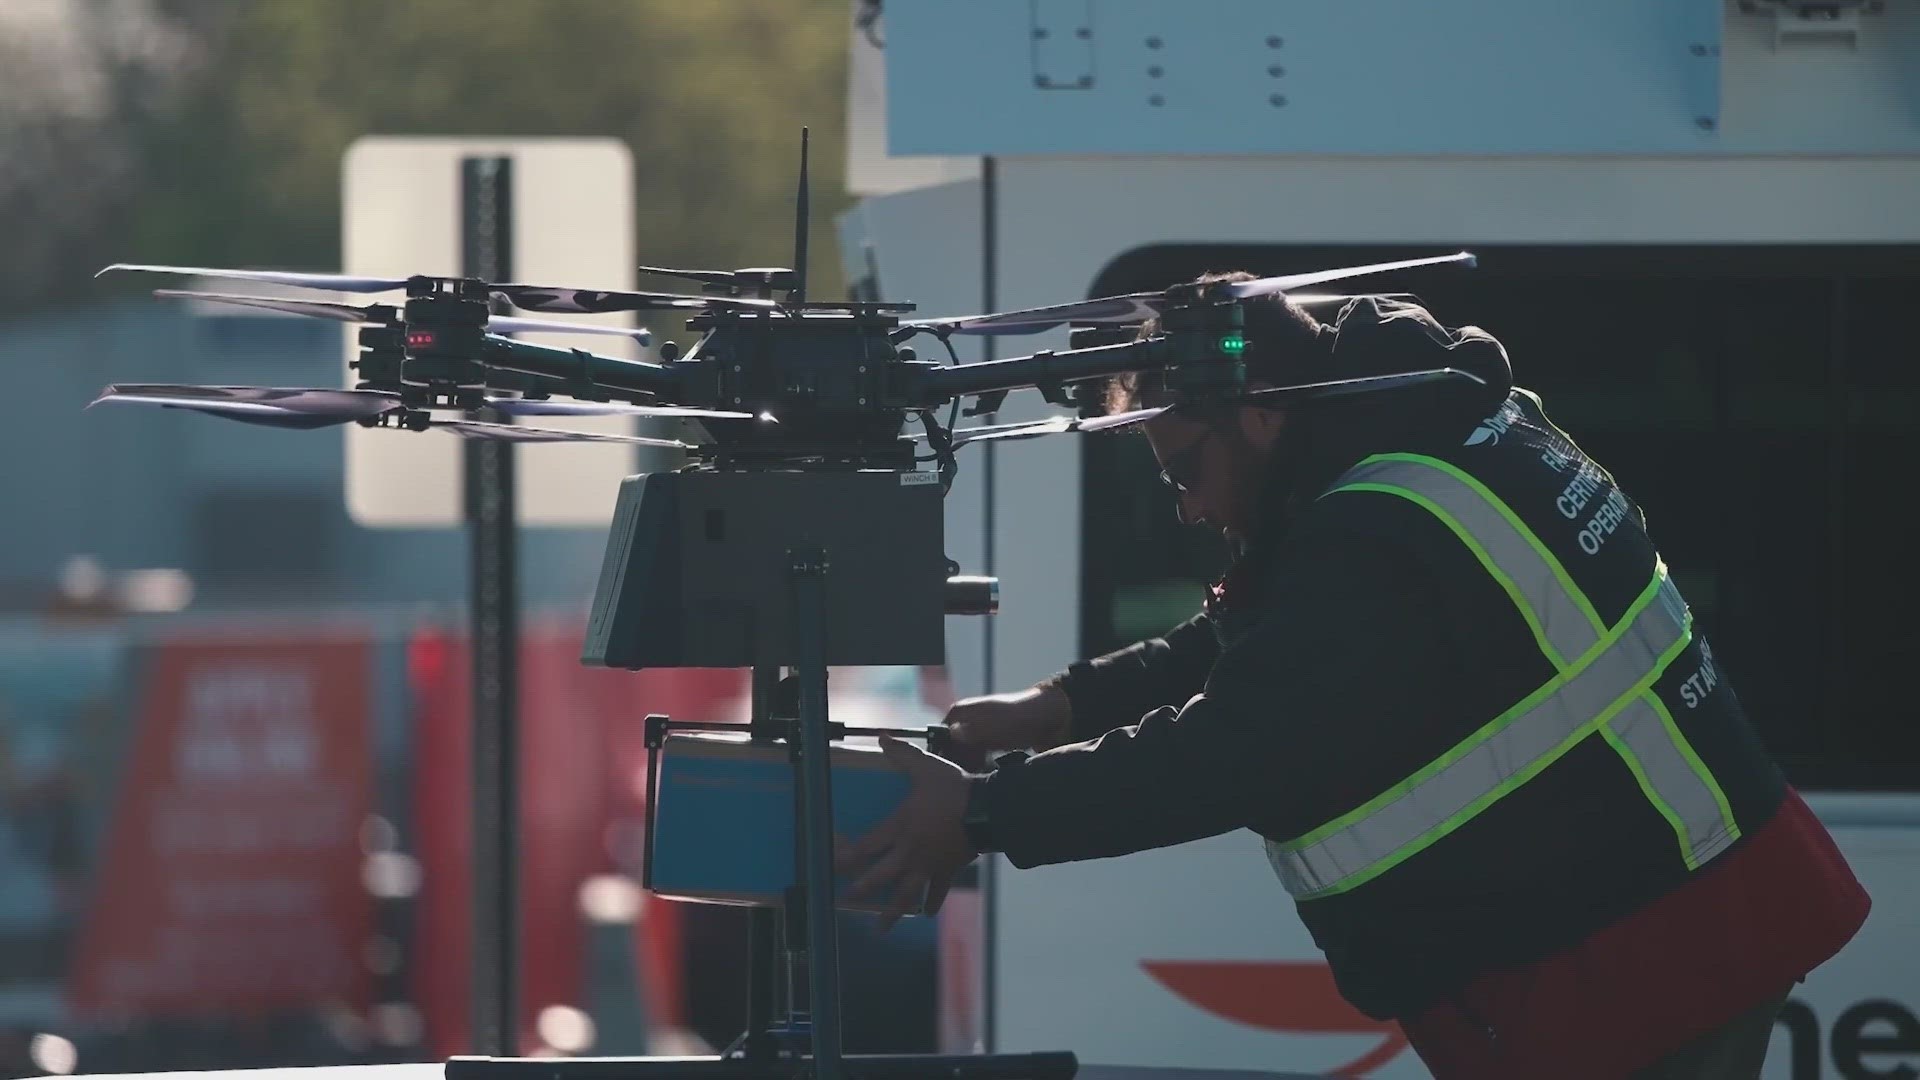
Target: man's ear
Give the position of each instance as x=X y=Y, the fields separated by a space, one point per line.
x=1261 y=425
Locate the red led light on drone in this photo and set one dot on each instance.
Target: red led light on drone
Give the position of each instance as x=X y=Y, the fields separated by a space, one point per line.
x=419 y=339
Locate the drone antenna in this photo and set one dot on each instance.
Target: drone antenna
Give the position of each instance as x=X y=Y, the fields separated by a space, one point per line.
x=799 y=291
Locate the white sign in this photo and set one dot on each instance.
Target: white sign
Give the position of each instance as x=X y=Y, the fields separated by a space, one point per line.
x=573 y=224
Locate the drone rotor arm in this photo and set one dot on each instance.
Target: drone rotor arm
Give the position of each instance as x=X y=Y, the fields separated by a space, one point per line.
x=577 y=366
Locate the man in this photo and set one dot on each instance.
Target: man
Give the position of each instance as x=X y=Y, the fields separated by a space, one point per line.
x=1450 y=684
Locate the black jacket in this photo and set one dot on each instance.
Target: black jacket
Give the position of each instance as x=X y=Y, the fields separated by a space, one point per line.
x=1346 y=649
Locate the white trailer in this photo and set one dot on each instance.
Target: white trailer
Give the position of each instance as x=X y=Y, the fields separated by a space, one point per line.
x=1699 y=230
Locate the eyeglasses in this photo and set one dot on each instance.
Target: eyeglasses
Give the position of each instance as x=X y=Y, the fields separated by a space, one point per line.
x=1178 y=473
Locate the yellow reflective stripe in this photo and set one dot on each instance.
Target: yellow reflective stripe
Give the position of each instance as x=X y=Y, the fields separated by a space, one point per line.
x=1489 y=764
x=1404 y=819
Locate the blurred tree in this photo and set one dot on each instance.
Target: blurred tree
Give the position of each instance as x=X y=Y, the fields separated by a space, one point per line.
x=80 y=81
x=242 y=168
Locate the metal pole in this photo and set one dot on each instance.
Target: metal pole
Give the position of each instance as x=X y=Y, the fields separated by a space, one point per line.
x=809 y=568
x=763 y=923
x=989 y=300
x=486 y=200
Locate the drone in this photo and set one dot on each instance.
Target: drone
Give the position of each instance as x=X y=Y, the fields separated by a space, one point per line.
x=776 y=380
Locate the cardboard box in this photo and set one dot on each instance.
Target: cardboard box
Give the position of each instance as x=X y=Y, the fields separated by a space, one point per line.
x=725 y=817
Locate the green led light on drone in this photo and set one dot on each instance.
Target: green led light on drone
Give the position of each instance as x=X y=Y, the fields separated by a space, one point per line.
x=1233 y=343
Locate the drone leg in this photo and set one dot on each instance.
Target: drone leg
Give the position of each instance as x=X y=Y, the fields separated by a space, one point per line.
x=808 y=568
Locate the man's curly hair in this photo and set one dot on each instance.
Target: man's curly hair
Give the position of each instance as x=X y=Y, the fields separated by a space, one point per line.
x=1284 y=342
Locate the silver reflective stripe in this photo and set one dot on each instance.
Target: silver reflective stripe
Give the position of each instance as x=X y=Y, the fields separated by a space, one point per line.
x=1492 y=762
x=1604 y=680
x=1551 y=607
x=1652 y=747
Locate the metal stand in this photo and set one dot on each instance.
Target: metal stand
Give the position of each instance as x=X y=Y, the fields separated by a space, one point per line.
x=807 y=1045
x=808 y=566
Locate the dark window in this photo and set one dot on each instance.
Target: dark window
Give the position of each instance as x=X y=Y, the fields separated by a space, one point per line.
x=1759 y=402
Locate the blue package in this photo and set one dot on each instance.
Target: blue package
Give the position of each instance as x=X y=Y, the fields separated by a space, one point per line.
x=725 y=812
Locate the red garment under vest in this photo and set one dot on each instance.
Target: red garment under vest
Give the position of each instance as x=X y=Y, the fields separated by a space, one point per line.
x=1744 y=929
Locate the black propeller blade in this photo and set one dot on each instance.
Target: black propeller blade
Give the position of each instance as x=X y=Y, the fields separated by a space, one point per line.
x=477 y=429
x=552 y=407
x=308 y=407
x=548 y=298
x=389 y=315
x=749 y=277
x=330 y=282
x=319 y=309
x=1058 y=425
x=527 y=297
x=275 y=406
x=1268 y=396
x=1141 y=306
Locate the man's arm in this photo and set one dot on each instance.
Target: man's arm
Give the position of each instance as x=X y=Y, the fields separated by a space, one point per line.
x=1350 y=650
x=1115 y=690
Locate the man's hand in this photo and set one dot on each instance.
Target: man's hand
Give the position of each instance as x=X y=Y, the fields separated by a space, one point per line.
x=1039 y=718
x=922 y=845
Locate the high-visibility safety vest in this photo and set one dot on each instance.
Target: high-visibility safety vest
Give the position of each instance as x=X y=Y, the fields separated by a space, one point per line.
x=1622 y=663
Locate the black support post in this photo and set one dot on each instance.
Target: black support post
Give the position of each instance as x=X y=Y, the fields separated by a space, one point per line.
x=486 y=231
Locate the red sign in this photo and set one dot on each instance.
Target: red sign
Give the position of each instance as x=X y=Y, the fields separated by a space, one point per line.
x=231 y=878
x=582 y=776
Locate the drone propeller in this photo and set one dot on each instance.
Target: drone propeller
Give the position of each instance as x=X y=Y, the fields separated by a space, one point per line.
x=274 y=406
x=304 y=280
x=527 y=297
x=550 y=407
x=770 y=277
x=388 y=315
x=547 y=298
x=1141 y=306
x=1315 y=299
x=1058 y=425
x=479 y=429
x=304 y=407
x=1364 y=384
x=1241 y=290
x=320 y=309
x=1268 y=396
